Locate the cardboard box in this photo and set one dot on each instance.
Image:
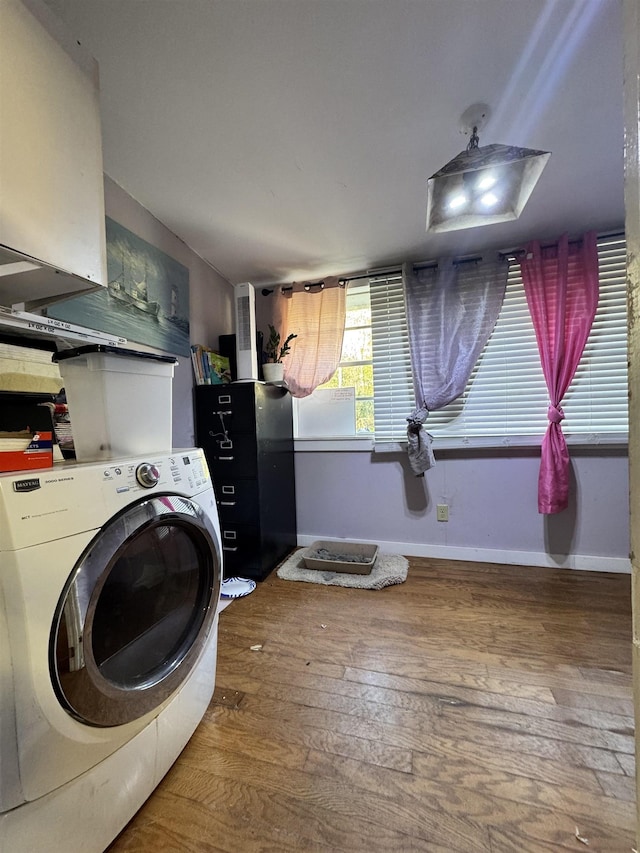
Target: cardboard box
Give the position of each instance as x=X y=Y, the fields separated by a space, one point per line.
x=38 y=452
x=26 y=432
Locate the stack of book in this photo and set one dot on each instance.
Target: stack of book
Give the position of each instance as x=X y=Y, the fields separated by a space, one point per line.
x=209 y=367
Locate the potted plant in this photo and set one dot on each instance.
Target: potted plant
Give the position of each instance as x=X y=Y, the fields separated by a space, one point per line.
x=273 y=368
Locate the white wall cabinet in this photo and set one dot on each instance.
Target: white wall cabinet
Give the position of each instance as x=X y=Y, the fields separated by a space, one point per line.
x=52 y=231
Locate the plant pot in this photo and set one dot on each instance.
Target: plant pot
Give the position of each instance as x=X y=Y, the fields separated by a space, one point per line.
x=273 y=372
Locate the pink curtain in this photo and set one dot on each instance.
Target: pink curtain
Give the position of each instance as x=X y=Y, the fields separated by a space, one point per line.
x=561 y=286
x=317 y=317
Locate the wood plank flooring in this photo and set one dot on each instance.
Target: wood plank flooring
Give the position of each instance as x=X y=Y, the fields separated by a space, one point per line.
x=473 y=708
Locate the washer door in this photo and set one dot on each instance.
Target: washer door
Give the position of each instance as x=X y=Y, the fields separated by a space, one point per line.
x=136 y=611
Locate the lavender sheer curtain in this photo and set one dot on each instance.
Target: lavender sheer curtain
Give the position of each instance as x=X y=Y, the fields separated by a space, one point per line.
x=317 y=317
x=451 y=311
x=562 y=288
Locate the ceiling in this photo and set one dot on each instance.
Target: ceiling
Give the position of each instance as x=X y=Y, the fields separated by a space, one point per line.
x=287 y=140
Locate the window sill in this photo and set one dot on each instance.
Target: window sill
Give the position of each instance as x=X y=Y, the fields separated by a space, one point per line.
x=352 y=444
x=366 y=443
x=600 y=440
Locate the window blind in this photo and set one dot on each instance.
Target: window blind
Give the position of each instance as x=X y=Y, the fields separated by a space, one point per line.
x=506 y=394
x=392 y=381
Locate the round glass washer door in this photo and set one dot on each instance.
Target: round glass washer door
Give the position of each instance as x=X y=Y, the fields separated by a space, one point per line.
x=136 y=611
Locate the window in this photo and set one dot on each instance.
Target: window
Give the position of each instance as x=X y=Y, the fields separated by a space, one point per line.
x=505 y=401
x=506 y=395
x=356 y=364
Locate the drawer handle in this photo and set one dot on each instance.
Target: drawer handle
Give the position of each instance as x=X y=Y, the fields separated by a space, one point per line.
x=226 y=503
x=225 y=458
x=227 y=548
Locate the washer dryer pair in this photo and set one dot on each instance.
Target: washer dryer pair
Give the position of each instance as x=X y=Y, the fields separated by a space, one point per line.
x=110 y=578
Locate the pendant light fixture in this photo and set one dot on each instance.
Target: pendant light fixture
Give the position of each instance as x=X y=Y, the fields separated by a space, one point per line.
x=482 y=185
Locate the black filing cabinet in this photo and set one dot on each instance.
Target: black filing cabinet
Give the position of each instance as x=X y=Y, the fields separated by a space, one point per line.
x=246 y=432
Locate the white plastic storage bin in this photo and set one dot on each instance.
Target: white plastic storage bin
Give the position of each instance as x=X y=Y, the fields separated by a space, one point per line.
x=119 y=401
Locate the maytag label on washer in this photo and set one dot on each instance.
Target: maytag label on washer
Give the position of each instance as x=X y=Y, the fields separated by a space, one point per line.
x=29 y=485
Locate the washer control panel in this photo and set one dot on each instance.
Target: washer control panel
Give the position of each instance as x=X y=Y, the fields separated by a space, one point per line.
x=48 y=504
x=182 y=469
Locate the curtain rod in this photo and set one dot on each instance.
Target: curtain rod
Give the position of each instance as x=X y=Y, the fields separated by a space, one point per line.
x=393 y=270
x=605 y=235
x=343 y=280
x=423 y=265
x=309 y=286
x=504 y=253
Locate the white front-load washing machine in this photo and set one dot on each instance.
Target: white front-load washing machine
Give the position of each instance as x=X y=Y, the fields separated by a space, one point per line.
x=110 y=578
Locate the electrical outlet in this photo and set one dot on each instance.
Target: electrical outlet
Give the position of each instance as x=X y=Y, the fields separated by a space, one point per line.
x=442 y=512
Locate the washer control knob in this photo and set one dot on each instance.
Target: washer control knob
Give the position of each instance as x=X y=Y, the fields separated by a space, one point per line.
x=147 y=475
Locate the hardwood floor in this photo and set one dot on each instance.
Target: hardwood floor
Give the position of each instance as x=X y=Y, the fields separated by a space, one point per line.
x=473 y=708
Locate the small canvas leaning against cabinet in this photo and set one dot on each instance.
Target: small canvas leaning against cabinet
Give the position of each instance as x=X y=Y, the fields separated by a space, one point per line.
x=246 y=432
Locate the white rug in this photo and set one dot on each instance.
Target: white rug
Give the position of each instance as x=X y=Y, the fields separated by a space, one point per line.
x=388 y=569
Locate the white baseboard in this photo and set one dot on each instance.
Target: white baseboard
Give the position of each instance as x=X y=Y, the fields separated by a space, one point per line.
x=583 y=562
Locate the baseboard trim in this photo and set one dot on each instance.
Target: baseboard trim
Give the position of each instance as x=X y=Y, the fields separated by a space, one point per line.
x=582 y=562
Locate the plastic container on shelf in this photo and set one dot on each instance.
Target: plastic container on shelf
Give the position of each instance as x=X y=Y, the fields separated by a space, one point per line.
x=119 y=401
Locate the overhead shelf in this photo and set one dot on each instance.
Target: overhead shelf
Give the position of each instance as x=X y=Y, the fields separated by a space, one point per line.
x=27 y=283
x=26 y=324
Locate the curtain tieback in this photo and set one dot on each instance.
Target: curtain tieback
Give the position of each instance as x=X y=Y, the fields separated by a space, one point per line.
x=555 y=414
x=417 y=418
x=415 y=422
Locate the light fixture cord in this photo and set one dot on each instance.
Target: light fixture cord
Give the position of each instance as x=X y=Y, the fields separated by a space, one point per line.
x=474 y=141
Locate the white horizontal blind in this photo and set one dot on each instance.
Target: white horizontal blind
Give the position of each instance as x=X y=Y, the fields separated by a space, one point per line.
x=392 y=382
x=506 y=394
x=597 y=399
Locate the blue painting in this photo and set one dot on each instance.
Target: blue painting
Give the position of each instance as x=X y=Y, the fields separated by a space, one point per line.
x=146 y=300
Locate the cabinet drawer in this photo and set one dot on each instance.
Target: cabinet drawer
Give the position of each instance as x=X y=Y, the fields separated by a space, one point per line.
x=221 y=409
x=231 y=458
x=238 y=537
x=237 y=501
x=240 y=548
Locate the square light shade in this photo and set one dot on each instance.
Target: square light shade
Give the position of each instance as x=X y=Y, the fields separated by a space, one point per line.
x=483 y=186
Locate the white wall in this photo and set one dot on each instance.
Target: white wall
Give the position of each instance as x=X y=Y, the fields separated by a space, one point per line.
x=492 y=500
x=210 y=298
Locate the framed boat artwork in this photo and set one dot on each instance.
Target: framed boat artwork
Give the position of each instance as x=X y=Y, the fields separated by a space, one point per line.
x=146 y=299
